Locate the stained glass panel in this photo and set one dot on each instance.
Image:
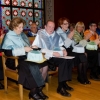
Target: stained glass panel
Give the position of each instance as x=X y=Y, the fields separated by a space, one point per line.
x=5 y=2
x=6 y=17
x=38 y=3
x=38 y=14
x=15 y=12
x=24 y=9
x=16 y=2
x=29 y=17
x=0 y=18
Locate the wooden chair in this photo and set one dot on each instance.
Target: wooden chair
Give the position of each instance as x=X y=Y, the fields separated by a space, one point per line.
x=31 y=39
x=50 y=73
x=12 y=74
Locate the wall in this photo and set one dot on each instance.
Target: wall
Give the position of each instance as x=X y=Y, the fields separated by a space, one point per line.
x=77 y=10
x=49 y=9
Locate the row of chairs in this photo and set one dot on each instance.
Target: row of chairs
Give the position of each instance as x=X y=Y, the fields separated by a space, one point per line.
x=13 y=74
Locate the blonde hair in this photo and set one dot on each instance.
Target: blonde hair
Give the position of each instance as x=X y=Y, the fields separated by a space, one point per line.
x=81 y=24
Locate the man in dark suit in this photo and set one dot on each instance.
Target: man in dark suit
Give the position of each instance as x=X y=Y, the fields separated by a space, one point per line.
x=33 y=28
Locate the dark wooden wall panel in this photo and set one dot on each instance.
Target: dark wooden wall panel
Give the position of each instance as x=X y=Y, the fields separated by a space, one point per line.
x=77 y=10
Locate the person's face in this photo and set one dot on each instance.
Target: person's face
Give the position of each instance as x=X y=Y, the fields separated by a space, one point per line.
x=34 y=28
x=65 y=25
x=93 y=27
x=71 y=28
x=80 y=29
x=50 y=27
x=19 y=29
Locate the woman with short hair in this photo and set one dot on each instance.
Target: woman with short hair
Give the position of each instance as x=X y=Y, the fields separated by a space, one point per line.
x=80 y=58
x=15 y=43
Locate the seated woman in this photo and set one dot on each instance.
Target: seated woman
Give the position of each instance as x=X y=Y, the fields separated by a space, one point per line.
x=15 y=43
x=78 y=36
x=80 y=59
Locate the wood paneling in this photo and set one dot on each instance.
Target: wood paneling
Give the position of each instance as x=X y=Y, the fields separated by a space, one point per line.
x=81 y=92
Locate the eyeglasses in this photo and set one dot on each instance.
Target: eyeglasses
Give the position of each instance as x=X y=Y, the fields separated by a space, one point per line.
x=65 y=23
x=94 y=25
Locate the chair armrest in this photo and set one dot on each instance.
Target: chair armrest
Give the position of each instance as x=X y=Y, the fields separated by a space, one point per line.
x=4 y=57
x=12 y=57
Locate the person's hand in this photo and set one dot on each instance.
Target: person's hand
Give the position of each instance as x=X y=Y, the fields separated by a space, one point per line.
x=97 y=41
x=70 y=35
x=34 y=46
x=64 y=53
x=27 y=49
x=56 y=54
x=88 y=36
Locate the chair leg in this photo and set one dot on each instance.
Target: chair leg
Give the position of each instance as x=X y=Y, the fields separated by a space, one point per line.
x=50 y=79
x=47 y=86
x=5 y=83
x=21 y=91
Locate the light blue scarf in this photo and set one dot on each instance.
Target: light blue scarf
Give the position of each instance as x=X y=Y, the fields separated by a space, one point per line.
x=13 y=41
x=46 y=39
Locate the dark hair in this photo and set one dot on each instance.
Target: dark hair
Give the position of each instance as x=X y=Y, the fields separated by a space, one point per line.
x=99 y=23
x=92 y=22
x=72 y=25
x=15 y=22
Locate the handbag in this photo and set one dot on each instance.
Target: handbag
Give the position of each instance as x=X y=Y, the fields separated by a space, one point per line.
x=83 y=42
x=91 y=46
x=78 y=49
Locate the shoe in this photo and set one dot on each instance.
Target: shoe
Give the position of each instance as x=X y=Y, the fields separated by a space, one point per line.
x=1 y=86
x=95 y=77
x=88 y=82
x=63 y=92
x=35 y=96
x=43 y=95
x=82 y=82
x=68 y=87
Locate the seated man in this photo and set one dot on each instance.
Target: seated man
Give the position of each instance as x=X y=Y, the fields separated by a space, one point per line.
x=92 y=55
x=33 y=28
x=51 y=43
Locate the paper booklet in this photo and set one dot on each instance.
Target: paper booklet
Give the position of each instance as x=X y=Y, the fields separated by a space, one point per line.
x=67 y=57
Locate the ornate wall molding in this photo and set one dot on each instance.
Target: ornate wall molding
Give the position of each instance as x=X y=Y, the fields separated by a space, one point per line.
x=49 y=10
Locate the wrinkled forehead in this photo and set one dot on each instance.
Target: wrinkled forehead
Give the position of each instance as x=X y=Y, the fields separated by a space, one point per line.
x=33 y=25
x=50 y=24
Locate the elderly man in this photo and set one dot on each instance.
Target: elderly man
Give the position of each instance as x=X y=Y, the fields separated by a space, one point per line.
x=51 y=45
x=33 y=28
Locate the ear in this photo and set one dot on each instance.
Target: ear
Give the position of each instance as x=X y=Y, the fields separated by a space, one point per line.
x=61 y=26
x=89 y=27
x=45 y=26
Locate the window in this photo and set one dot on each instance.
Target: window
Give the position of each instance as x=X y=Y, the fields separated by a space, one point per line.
x=29 y=10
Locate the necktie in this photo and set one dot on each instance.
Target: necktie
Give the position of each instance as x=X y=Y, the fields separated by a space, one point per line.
x=51 y=40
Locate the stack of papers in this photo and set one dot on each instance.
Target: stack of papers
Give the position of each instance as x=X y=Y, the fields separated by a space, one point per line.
x=67 y=57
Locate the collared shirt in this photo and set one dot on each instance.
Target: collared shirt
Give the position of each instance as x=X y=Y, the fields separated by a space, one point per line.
x=93 y=37
x=34 y=34
x=49 y=53
x=36 y=41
